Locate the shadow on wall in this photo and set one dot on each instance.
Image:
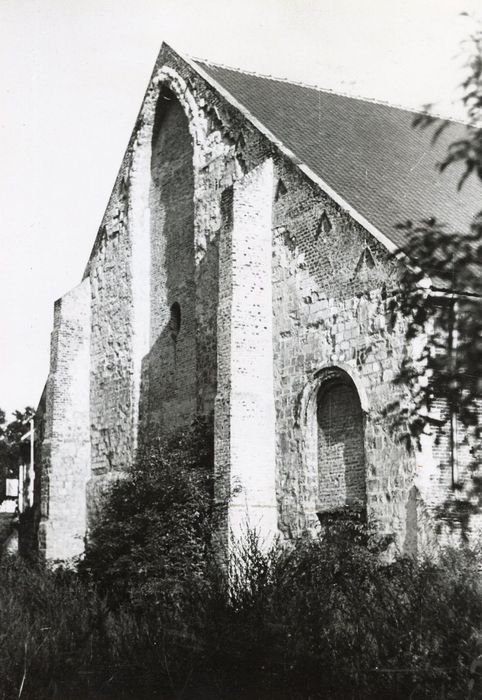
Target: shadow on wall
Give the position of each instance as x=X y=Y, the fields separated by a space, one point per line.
x=178 y=379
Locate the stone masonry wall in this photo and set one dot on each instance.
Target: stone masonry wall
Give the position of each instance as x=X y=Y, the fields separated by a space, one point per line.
x=331 y=285
x=158 y=247
x=66 y=446
x=201 y=266
x=111 y=343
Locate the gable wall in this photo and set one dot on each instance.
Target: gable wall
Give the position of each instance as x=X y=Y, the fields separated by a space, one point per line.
x=329 y=286
x=159 y=244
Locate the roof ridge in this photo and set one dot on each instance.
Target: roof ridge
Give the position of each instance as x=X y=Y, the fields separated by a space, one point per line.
x=331 y=91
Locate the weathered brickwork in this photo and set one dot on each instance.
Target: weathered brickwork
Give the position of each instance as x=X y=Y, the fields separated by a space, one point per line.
x=332 y=284
x=341 y=451
x=66 y=443
x=224 y=282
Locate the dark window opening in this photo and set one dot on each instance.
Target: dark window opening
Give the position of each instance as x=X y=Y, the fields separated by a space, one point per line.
x=280 y=190
x=175 y=320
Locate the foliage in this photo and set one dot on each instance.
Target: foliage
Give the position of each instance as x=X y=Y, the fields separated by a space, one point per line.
x=12 y=449
x=325 y=618
x=154 y=612
x=48 y=628
x=154 y=529
x=321 y=618
x=440 y=301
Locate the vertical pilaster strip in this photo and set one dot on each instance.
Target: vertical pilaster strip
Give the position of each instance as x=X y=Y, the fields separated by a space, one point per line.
x=245 y=414
x=139 y=234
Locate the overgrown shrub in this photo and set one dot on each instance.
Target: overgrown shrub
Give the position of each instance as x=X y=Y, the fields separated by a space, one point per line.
x=350 y=626
x=320 y=618
x=50 y=631
x=152 y=537
x=155 y=614
x=327 y=619
x=59 y=639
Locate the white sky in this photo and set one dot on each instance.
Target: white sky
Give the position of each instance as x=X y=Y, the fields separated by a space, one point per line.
x=73 y=74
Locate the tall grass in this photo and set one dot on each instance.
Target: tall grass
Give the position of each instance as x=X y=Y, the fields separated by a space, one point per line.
x=321 y=620
x=151 y=612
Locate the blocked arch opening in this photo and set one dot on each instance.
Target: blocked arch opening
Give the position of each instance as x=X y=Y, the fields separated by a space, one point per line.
x=169 y=372
x=340 y=452
x=317 y=497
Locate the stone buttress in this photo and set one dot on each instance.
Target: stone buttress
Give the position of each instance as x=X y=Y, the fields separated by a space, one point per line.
x=229 y=284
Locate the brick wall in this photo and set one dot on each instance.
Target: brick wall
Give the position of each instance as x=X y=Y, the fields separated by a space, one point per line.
x=279 y=291
x=341 y=451
x=332 y=284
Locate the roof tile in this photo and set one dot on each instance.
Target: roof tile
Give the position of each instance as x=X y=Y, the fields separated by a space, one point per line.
x=368 y=152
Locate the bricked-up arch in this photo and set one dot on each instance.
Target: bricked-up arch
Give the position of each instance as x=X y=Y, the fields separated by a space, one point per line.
x=144 y=334
x=170 y=384
x=330 y=390
x=340 y=444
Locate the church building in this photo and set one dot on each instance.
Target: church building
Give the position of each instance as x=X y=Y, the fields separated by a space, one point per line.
x=243 y=272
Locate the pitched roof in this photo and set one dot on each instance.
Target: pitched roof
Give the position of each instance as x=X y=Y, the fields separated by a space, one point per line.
x=366 y=151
